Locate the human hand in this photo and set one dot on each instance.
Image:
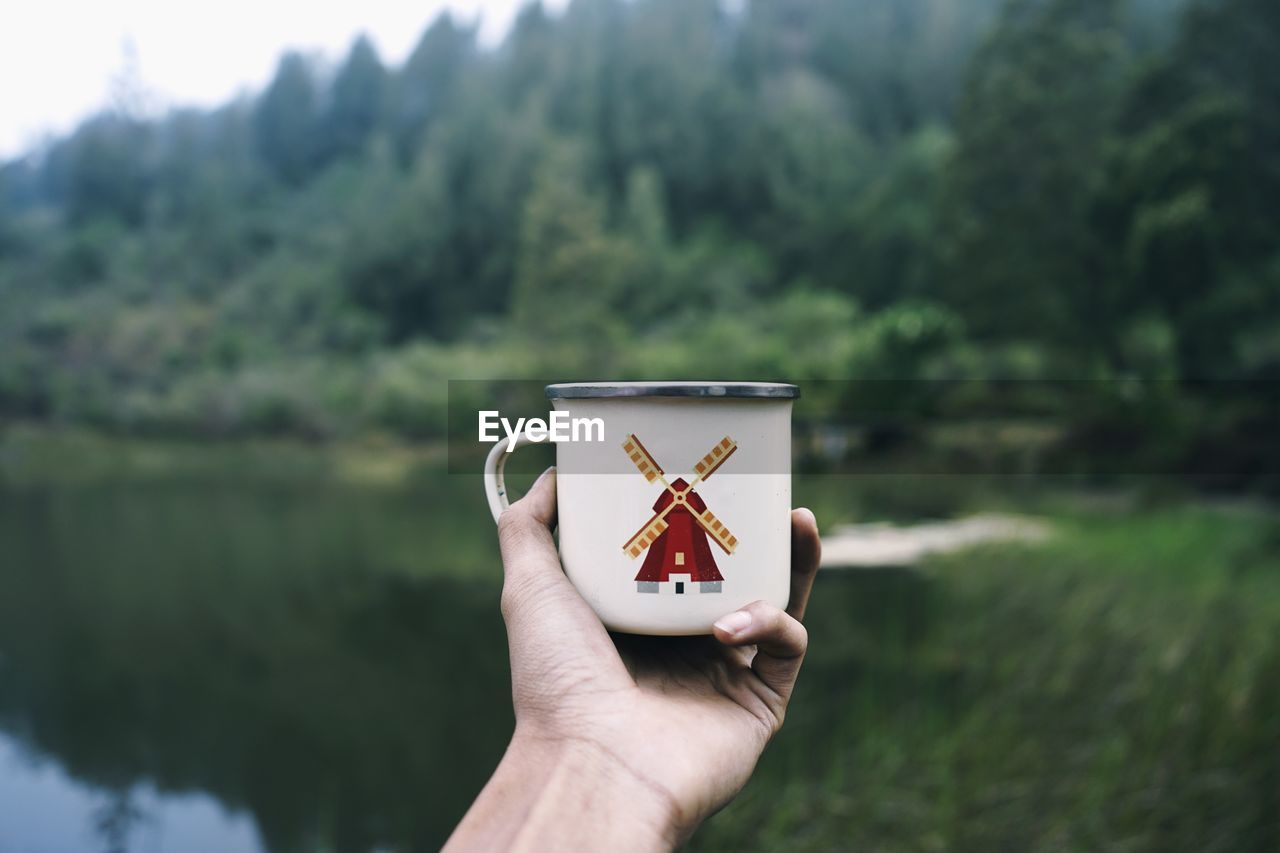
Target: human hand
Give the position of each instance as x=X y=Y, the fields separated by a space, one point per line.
x=623 y=741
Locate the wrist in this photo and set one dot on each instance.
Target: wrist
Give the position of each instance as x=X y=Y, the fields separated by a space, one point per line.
x=552 y=792
x=588 y=790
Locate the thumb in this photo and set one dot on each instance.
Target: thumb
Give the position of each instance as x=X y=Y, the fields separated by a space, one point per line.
x=534 y=586
x=780 y=642
x=546 y=617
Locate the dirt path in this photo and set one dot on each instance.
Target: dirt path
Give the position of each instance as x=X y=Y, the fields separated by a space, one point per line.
x=865 y=545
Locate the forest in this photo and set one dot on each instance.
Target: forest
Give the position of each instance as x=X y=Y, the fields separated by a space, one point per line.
x=1075 y=199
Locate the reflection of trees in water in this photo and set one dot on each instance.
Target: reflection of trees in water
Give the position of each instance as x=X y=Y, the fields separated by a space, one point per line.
x=114 y=821
x=186 y=639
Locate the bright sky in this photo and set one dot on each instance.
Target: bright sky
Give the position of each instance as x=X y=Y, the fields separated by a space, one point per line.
x=58 y=57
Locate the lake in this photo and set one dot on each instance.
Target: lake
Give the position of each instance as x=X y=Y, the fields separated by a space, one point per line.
x=243 y=648
x=250 y=662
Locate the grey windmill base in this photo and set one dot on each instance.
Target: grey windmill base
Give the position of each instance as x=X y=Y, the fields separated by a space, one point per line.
x=703 y=586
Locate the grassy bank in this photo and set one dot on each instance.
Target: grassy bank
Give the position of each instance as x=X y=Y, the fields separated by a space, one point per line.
x=1117 y=689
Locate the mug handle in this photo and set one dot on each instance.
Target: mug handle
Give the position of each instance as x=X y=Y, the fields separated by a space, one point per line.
x=495 y=486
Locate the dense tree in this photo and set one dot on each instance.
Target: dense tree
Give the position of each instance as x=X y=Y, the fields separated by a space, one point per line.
x=1030 y=139
x=356 y=100
x=572 y=274
x=286 y=121
x=527 y=54
x=890 y=249
x=431 y=253
x=1192 y=186
x=669 y=105
x=425 y=86
x=107 y=170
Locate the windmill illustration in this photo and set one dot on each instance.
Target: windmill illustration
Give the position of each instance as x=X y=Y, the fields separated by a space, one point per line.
x=676 y=537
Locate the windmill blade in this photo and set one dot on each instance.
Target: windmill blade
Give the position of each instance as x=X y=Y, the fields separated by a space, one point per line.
x=719 y=533
x=713 y=460
x=643 y=460
x=652 y=529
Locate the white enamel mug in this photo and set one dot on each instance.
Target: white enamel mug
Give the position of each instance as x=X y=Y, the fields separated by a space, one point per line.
x=681 y=512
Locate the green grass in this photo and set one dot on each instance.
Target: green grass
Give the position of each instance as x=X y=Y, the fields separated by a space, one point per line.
x=1116 y=689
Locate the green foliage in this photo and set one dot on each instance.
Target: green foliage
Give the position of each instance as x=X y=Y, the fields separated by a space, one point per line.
x=799 y=189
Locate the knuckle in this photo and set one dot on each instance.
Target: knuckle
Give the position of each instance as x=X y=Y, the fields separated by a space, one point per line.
x=509 y=520
x=790 y=632
x=524 y=596
x=511 y=601
x=506 y=604
x=775 y=621
x=513 y=527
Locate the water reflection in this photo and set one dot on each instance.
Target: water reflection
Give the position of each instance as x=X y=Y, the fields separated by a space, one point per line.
x=46 y=811
x=315 y=658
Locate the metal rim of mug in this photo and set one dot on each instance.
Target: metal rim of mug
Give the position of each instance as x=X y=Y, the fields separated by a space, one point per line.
x=715 y=390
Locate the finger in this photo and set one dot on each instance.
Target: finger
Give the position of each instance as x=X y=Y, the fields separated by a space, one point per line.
x=779 y=638
x=806 y=553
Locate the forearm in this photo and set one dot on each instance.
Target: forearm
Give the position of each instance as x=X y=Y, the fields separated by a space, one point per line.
x=567 y=795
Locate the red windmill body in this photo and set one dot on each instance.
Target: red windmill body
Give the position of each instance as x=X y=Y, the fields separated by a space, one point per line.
x=681 y=549
x=679 y=534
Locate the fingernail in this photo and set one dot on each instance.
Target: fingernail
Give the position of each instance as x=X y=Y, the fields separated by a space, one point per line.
x=734 y=623
x=543 y=476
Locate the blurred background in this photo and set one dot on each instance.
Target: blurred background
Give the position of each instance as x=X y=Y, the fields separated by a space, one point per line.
x=1021 y=255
